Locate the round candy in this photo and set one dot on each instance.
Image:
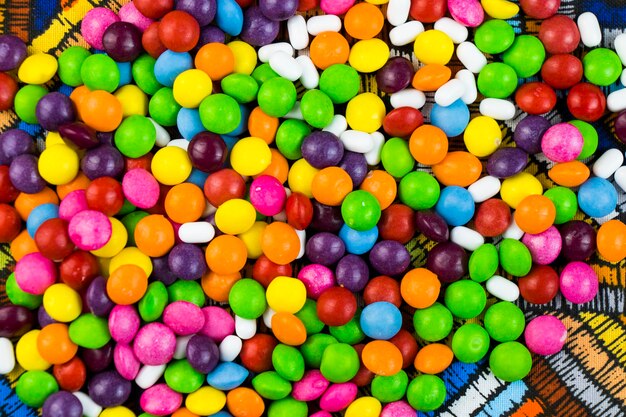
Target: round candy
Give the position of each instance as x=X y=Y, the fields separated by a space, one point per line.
x=510 y=361
x=433 y=47
x=470 y=343
x=602 y=66
x=13 y=52
x=597 y=197
x=465 y=299
x=433 y=323
x=504 y=321
x=578 y=282
x=426 y=393
x=545 y=335
x=540 y=286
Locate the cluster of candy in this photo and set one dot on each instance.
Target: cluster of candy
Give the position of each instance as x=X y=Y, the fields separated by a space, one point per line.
x=134 y=241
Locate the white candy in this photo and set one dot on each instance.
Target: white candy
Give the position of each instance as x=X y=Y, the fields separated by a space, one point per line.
x=295 y=113
x=90 y=408
x=179 y=143
x=466 y=238
x=7 y=356
x=297 y=31
x=620 y=178
x=302 y=237
x=285 y=65
x=398 y=11
x=208 y=210
x=608 y=163
x=162 y=136
x=409 y=97
x=484 y=188
x=405 y=33
x=616 y=101
x=513 y=231
x=230 y=348
x=357 y=141
x=325 y=23
x=267 y=317
x=265 y=52
x=181 y=346
x=502 y=288
x=373 y=156
x=467 y=77
x=623 y=78
x=449 y=92
x=245 y=328
x=149 y=375
x=196 y=232
x=456 y=31
x=280 y=217
x=497 y=108
x=471 y=57
x=310 y=78
x=620 y=47
x=337 y=126
x=589 y=28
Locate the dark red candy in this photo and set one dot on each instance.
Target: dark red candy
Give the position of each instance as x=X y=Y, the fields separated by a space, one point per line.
x=397 y=223
x=122 y=41
x=98 y=360
x=535 y=98
x=224 y=185
x=53 y=239
x=264 y=270
x=363 y=376
x=207 y=151
x=540 y=286
x=540 y=9
x=299 y=210
x=620 y=128
x=428 y=11
x=336 y=306
x=383 y=288
x=70 y=375
x=179 y=31
x=8 y=193
x=579 y=240
x=15 y=320
x=395 y=75
x=559 y=34
x=448 y=261
x=154 y=9
x=492 y=218
x=432 y=225
x=8 y=90
x=256 y=352
x=401 y=122
x=586 y=102
x=78 y=269
x=105 y=194
x=80 y=135
x=303 y=5
x=562 y=71
x=143 y=162
x=407 y=345
x=10 y=223
x=151 y=42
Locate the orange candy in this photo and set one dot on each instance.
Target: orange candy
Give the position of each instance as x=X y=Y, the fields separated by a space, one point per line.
x=329 y=48
x=611 y=241
x=216 y=59
x=280 y=243
x=288 y=329
x=154 y=235
x=382 y=358
x=382 y=186
x=331 y=185
x=433 y=358
x=185 y=203
x=420 y=288
x=54 y=344
x=458 y=168
x=278 y=167
x=25 y=203
x=183 y=412
x=22 y=245
x=77 y=96
x=428 y=145
x=262 y=126
x=101 y=110
x=127 y=284
x=244 y=402
x=569 y=174
x=217 y=286
x=364 y=21
x=80 y=182
x=535 y=213
x=430 y=77
x=226 y=254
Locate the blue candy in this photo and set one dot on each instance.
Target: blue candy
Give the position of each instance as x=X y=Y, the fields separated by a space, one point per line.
x=597 y=197
x=455 y=205
x=189 y=123
x=357 y=242
x=227 y=376
x=381 y=320
x=170 y=64
x=229 y=17
x=243 y=124
x=39 y=215
x=452 y=119
x=126 y=76
x=197 y=177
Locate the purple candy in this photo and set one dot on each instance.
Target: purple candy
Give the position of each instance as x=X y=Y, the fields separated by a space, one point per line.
x=326 y=218
x=202 y=353
x=109 y=389
x=103 y=161
x=122 y=41
x=211 y=34
x=105 y=138
x=448 y=261
x=529 y=132
x=80 y=135
x=97 y=360
x=278 y=9
x=203 y=10
x=12 y=52
x=258 y=30
x=432 y=225
x=55 y=109
x=389 y=257
x=43 y=318
x=62 y=404
x=395 y=75
x=187 y=261
x=579 y=240
x=161 y=270
x=15 y=320
x=355 y=165
x=506 y=162
x=15 y=142
x=24 y=174
x=325 y=248
x=322 y=149
x=352 y=273
x=620 y=126
x=207 y=151
x=97 y=299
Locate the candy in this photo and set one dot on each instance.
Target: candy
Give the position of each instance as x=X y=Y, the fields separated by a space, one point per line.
x=470 y=343
x=471 y=57
x=510 y=361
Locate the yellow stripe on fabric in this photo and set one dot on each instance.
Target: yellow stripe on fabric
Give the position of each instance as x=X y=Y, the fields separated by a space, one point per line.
x=609 y=331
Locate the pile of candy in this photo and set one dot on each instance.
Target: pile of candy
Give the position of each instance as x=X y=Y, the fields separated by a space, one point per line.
x=205 y=232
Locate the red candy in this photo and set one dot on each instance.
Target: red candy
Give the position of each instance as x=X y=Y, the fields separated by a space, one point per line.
x=401 y=122
x=70 y=375
x=299 y=210
x=364 y=376
x=8 y=90
x=256 y=352
x=397 y=223
x=540 y=9
x=535 y=98
x=179 y=31
x=154 y=9
x=540 y=286
x=586 y=102
x=428 y=11
x=383 y=288
x=224 y=185
x=562 y=71
x=53 y=239
x=105 y=194
x=265 y=270
x=406 y=343
x=10 y=223
x=151 y=41
x=559 y=34
x=336 y=306
x=8 y=193
x=492 y=218
x=78 y=269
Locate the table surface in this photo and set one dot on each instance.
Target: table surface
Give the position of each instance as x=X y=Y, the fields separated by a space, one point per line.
x=587 y=378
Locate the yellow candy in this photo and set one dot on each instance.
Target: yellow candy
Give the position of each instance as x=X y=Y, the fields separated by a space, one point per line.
x=205 y=401
x=369 y=55
x=62 y=303
x=53 y=138
x=27 y=354
x=365 y=112
x=286 y=294
x=131 y=255
x=245 y=57
x=118 y=411
x=104 y=265
x=482 y=136
x=133 y=100
x=377 y=1
x=191 y=87
x=301 y=176
x=171 y=165
x=58 y=164
x=433 y=47
x=38 y=69
x=250 y=156
x=364 y=407
x=252 y=239
x=117 y=241
x=518 y=187
x=235 y=216
x=500 y=9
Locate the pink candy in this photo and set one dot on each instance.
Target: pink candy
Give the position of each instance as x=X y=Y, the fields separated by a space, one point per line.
x=123 y=323
x=160 y=400
x=562 y=143
x=545 y=246
x=217 y=323
x=338 y=396
x=140 y=188
x=95 y=22
x=467 y=12
x=578 y=282
x=267 y=195
x=73 y=203
x=129 y=13
x=545 y=335
x=321 y=414
x=184 y=318
x=317 y=279
x=34 y=273
x=126 y=363
x=154 y=344
x=90 y=229
x=398 y=409
x=310 y=387
x=336 y=7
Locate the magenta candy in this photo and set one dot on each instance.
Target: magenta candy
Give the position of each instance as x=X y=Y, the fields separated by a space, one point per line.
x=321 y=414
x=126 y=363
x=397 y=409
x=154 y=344
x=90 y=229
x=217 y=323
x=562 y=142
x=160 y=400
x=467 y=12
x=34 y=273
x=578 y=282
x=545 y=335
x=140 y=188
x=95 y=22
x=267 y=195
x=184 y=318
x=129 y=13
x=123 y=323
x=73 y=203
x=336 y=7
x=544 y=247
x=338 y=396
x=316 y=278
x=310 y=387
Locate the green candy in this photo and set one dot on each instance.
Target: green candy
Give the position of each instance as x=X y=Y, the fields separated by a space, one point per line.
x=19 y=297
x=419 y=190
x=271 y=385
x=89 y=331
x=25 y=102
x=189 y=291
x=143 y=74
x=433 y=323
x=288 y=362
x=308 y=317
x=181 y=377
x=510 y=361
x=390 y=388
x=288 y=407
x=565 y=202
x=426 y=393
x=70 y=62
x=127 y=208
x=220 y=113
x=247 y=299
x=465 y=299
x=350 y=332
x=340 y=363
x=314 y=347
x=317 y=108
x=494 y=36
x=497 y=80
x=163 y=108
x=277 y=96
x=135 y=136
x=340 y=82
x=241 y=87
x=515 y=257
x=590 y=138
x=263 y=73
x=360 y=210
x=130 y=222
x=470 y=343
x=153 y=302
x=396 y=157
x=34 y=387
x=289 y=137
x=504 y=321
x=602 y=66
x=525 y=56
x=100 y=72
x=483 y=262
